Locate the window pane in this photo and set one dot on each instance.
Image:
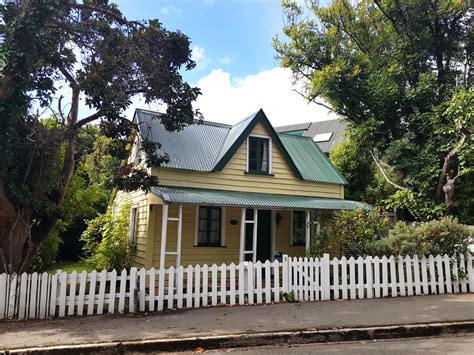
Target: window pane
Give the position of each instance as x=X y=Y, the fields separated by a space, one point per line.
x=215 y=226
x=203 y=213
x=249 y=214
x=299 y=228
x=215 y=238
x=215 y=213
x=203 y=225
x=252 y=165
x=248 y=236
x=253 y=143
x=202 y=238
x=258 y=154
x=209 y=226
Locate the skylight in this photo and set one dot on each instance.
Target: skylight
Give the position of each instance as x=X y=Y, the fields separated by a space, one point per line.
x=322 y=137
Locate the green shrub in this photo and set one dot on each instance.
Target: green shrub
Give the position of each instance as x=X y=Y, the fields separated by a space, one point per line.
x=362 y=232
x=46 y=257
x=443 y=236
x=106 y=241
x=351 y=232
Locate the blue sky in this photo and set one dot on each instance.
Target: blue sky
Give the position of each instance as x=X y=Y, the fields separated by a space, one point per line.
x=236 y=67
x=232 y=35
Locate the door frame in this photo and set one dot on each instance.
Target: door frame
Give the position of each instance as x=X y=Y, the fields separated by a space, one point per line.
x=244 y=221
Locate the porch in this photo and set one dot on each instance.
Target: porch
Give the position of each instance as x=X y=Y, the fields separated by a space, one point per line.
x=190 y=226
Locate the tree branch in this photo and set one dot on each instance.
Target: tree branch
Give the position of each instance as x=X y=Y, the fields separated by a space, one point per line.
x=384 y=174
x=447 y=160
x=313 y=100
x=68 y=76
x=89 y=119
x=390 y=18
x=119 y=18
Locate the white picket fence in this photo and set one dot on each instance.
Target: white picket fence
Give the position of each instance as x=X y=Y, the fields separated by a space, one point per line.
x=294 y=279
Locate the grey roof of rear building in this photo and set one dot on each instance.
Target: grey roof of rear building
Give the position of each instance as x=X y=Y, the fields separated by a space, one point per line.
x=207 y=146
x=336 y=127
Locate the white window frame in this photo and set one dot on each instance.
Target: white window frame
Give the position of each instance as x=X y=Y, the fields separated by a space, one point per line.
x=196 y=226
x=269 y=151
x=133 y=225
x=291 y=227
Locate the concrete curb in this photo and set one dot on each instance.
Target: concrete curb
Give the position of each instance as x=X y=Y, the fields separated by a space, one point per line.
x=307 y=336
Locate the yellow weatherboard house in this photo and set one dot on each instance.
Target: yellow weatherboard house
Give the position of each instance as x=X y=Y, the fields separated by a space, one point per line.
x=230 y=193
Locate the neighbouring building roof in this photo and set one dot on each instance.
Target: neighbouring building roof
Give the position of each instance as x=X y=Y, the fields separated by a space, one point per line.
x=195 y=196
x=325 y=133
x=208 y=146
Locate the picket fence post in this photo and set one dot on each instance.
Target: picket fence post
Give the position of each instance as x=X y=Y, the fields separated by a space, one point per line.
x=285 y=272
x=133 y=285
x=325 y=278
x=470 y=273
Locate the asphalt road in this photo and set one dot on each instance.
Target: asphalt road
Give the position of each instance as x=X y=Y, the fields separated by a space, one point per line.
x=462 y=344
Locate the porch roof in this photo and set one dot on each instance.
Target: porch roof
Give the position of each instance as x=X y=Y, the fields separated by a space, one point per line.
x=195 y=196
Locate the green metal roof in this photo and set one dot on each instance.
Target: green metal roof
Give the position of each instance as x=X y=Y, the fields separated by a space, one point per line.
x=296 y=132
x=208 y=146
x=310 y=160
x=194 y=196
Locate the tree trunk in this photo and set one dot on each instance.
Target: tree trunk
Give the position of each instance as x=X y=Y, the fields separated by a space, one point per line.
x=15 y=234
x=448 y=189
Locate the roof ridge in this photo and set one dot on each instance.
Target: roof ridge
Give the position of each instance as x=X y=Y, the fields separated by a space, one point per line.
x=294 y=136
x=196 y=121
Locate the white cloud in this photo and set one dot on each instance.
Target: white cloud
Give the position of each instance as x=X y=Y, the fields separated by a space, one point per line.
x=199 y=57
x=170 y=9
x=225 y=60
x=228 y=100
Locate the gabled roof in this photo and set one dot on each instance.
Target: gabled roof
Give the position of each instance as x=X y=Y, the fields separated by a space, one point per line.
x=335 y=127
x=208 y=146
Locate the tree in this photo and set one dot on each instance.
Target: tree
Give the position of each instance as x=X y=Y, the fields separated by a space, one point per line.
x=400 y=71
x=365 y=183
x=87 y=196
x=90 y=48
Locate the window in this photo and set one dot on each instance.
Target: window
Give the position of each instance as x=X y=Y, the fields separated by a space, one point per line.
x=209 y=226
x=322 y=137
x=298 y=235
x=132 y=228
x=259 y=154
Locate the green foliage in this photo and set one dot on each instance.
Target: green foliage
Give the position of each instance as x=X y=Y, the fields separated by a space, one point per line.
x=106 y=241
x=443 y=236
x=352 y=231
x=400 y=72
x=48 y=253
x=104 y=60
x=355 y=164
x=361 y=232
x=415 y=204
x=88 y=194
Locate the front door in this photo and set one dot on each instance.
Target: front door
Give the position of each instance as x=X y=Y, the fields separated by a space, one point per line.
x=264 y=235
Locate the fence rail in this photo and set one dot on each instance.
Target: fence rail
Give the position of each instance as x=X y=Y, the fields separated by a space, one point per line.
x=300 y=279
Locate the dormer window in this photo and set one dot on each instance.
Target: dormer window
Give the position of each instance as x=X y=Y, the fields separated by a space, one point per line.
x=259 y=155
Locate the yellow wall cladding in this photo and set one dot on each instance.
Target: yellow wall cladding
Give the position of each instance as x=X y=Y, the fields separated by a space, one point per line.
x=233 y=176
x=138 y=198
x=193 y=255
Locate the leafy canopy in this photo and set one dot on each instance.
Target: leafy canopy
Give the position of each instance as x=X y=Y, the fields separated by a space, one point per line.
x=400 y=72
x=102 y=60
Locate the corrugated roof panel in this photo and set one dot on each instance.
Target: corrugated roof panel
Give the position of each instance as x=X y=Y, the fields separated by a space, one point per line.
x=194 y=148
x=310 y=160
x=233 y=135
x=193 y=196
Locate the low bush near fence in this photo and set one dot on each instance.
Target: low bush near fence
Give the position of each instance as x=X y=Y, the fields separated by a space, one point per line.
x=294 y=279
